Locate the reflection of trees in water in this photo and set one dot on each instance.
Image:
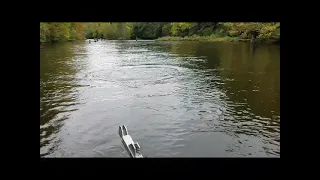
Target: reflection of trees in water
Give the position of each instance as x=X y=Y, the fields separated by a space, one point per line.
x=252 y=87
x=57 y=88
x=253 y=79
x=247 y=79
x=273 y=74
x=249 y=73
x=206 y=52
x=252 y=49
x=249 y=76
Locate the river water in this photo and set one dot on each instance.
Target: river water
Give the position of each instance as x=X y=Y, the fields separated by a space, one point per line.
x=177 y=99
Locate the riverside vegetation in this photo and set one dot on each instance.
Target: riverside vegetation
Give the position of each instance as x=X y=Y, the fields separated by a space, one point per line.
x=264 y=32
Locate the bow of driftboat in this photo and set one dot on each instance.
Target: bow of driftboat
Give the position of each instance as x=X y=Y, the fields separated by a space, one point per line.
x=133 y=148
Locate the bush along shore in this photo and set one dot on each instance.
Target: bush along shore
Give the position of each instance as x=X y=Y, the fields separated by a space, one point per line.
x=162 y=31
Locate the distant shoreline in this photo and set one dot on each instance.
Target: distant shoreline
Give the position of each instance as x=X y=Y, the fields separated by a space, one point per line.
x=190 y=38
x=216 y=39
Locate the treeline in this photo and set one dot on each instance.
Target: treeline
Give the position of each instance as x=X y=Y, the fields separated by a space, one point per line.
x=223 y=31
x=52 y=32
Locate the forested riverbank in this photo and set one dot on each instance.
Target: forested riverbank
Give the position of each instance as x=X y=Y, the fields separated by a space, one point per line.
x=176 y=31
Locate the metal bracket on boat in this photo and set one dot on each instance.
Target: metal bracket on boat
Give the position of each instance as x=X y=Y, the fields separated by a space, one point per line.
x=133 y=148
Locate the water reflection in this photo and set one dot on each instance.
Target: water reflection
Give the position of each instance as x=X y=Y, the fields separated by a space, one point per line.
x=58 y=92
x=252 y=49
x=248 y=76
x=178 y=98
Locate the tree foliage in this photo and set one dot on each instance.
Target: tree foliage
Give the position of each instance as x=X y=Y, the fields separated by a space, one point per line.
x=52 y=32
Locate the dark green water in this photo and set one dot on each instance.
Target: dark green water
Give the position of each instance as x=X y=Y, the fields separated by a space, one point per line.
x=178 y=99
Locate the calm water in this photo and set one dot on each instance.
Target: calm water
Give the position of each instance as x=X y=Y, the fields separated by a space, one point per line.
x=178 y=99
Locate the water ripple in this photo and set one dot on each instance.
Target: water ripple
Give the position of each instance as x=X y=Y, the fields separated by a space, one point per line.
x=178 y=99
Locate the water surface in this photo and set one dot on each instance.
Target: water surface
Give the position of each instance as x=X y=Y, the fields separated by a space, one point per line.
x=178 y=99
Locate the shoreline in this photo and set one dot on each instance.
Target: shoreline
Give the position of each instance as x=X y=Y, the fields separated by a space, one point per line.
x=188 y=38
x=217 y=39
